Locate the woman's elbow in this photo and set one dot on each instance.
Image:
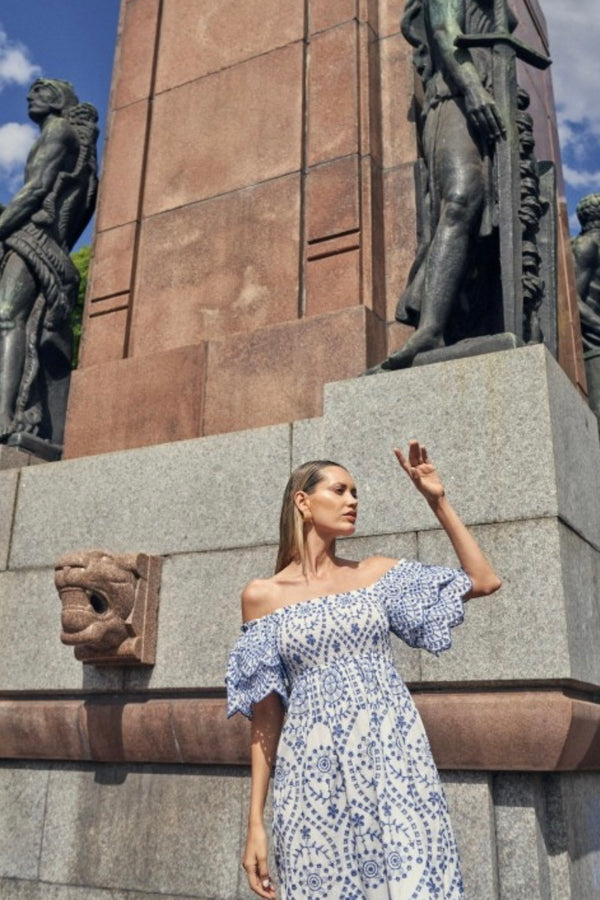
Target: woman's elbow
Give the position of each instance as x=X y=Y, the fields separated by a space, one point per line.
x=483 y=587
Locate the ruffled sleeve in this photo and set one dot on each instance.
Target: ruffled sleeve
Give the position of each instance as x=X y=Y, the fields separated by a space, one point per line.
x=424 y=602
x=255 y=668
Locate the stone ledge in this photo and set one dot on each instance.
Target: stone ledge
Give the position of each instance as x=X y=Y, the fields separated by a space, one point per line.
x=511 y=730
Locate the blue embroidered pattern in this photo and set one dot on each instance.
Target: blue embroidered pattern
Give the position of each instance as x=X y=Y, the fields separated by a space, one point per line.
x=359 y=811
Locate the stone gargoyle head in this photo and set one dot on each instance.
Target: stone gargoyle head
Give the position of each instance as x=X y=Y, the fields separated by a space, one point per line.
x=109 y=605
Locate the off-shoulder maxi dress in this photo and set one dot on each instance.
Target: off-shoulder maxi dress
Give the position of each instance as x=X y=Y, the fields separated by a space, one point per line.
x=359 y=811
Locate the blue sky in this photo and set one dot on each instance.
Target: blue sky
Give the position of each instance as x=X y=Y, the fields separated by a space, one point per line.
x=75 y=40
x=69 y=39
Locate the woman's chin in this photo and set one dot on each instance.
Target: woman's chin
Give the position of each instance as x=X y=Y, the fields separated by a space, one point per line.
x=348 y=529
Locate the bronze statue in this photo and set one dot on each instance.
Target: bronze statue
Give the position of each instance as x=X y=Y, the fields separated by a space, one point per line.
x=471 y=168
x=586 y=251
x=38 y=281
x=459 y=127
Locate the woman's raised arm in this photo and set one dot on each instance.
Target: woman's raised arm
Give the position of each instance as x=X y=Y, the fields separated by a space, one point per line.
x=422 y=472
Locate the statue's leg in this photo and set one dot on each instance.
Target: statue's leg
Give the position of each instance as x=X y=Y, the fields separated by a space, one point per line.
x=18 y=291
x=459 y=182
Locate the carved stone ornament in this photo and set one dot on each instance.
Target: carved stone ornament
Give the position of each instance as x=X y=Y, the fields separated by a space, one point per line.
x=109 y=605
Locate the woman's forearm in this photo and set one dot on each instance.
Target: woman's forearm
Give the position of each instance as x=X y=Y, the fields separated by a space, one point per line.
x=471 y=557
x=265 y=731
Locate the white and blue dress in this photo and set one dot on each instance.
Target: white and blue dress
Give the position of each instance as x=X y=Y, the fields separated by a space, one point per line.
x=359 y=811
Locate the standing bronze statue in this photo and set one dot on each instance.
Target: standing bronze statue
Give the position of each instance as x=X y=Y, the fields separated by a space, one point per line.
x=459 y=284
x=38 y=280
x=586 y=251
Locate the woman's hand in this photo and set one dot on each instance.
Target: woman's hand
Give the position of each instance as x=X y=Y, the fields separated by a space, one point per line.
x=255 y=862
x=421 y=471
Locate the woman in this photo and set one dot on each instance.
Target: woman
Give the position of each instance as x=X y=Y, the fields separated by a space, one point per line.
x=359 y=812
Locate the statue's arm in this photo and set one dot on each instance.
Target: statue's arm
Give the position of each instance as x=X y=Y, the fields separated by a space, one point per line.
x=445 y=28
x=444 y=20
x=52 y=156
x=587 y=259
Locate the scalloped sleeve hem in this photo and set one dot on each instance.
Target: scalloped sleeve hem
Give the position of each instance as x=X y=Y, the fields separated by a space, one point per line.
x=255 y=668
x=423 y=603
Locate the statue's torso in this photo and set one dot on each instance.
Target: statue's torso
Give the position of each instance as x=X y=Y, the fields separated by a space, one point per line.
x=57 y=145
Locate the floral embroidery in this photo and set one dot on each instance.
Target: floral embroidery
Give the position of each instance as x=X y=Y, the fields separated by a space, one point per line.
x=360 y=813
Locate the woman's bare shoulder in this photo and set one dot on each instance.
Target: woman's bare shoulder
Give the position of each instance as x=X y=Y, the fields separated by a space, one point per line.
x=258 y=598
x=376 y=566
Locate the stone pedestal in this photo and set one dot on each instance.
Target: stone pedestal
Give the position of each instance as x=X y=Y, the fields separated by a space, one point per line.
x=256 y=215
x=512 y=710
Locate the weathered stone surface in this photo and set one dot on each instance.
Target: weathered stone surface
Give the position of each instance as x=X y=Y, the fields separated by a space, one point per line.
x=42 y=729
x=472 y=816
x=105 y=334
x=276 y=374
x=114 y=407
x=522 y=868
x=580 y=564
x=333 y=198
x=510 y=472
x=200 y=616
x=197 y=39
x=511 y=730
x=196 y=283
x=170 y=816
x=9 y=480
x=122 y=174
x=16 y=458
x=333 y=282
x=22 y=800
x=32 y=890
x=390 y=13
x=34 y=658
x=308 y=441
x=574 y=430
x=520 y=632
x=581 y=800
x=399 y=235
x=333 y=95
x=399 y=139
x=110 y=270
x=205 y=494
x=328 y=13
x=133 y=71
x=197 y=152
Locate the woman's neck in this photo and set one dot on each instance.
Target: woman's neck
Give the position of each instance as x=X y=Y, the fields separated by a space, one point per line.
x=319 y=557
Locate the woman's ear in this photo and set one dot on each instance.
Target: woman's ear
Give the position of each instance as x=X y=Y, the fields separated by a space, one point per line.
x=301 y=503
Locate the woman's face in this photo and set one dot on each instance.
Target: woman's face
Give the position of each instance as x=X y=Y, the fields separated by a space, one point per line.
x=332 y=506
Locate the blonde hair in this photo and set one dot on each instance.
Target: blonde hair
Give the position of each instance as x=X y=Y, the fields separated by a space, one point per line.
x=291 y=525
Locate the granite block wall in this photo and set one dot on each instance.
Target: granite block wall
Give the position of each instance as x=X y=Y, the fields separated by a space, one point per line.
x=519 y=452
x=82 y=832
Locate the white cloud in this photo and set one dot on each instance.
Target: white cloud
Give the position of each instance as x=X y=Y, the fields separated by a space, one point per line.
x=15 y=143
x=15 y=64
x=580 y=178
x=574 y=32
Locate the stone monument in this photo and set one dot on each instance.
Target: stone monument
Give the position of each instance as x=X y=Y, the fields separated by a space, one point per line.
x=38 y=280
x=239 y=267
x=256 y=226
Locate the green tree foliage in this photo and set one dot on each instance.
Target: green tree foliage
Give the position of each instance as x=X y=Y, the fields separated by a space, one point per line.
x=81 y=258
